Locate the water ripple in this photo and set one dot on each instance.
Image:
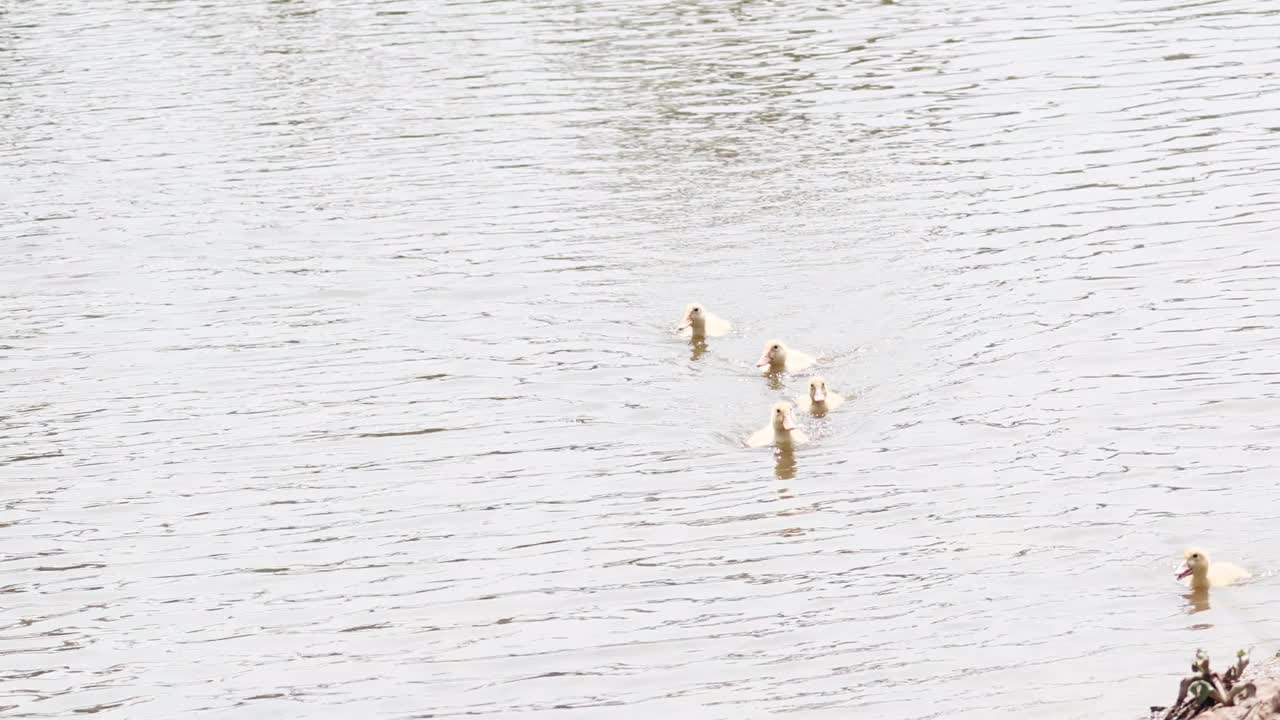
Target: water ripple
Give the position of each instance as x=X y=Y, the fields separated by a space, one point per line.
x=339 y=380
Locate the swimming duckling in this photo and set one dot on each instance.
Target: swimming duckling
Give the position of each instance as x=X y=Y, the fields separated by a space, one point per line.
x=819 y=400
x=698 y=323
x=781 y=430
x=1205 y=575
x=777 y=357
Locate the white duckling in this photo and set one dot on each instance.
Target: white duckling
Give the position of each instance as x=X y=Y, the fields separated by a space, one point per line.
x=1205 y=575
x=698 y=323
x=781 y=430
x=777 y=357
x=819 y=400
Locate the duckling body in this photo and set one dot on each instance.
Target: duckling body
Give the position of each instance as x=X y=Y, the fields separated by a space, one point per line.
x=698 y=323
x=781 y=430
x=1205 y=574
x=778 y=358
x=819 y=400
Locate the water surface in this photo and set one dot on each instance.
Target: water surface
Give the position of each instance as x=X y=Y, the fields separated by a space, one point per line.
x=338 y=380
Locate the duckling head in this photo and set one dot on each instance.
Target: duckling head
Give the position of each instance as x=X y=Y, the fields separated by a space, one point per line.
x=1194 y=562
x=783 y=417
x=775 y=354
x=817 y=389
x=694 y=315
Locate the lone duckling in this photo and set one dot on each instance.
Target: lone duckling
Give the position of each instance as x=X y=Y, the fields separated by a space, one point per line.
x=781 y=430
x=1205 y=575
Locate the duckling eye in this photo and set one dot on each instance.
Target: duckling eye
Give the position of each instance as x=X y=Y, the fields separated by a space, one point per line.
x=775 y=347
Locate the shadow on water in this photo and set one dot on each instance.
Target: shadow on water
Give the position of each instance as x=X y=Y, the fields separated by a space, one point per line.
x=774 y=380
x=698 y=348
x=784 y=466
x=1197 y=600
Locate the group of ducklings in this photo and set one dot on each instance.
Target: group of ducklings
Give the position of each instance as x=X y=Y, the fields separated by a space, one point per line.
x=782 y=431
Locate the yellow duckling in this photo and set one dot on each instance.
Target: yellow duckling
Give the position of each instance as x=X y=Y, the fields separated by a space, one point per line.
x=698 y=323
x=781 y=430
x=819 y=400
x=777 y=357
x=1205 y=575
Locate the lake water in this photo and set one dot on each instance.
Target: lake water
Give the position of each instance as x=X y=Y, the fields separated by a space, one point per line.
x=339 y=381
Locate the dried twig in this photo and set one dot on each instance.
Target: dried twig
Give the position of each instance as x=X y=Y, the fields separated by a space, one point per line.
x=1204 y=689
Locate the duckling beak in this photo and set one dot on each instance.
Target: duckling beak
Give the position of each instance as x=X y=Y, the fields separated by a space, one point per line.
x=1184 y=571
x=819 y=395
x=764 y=359
x=789 y=421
